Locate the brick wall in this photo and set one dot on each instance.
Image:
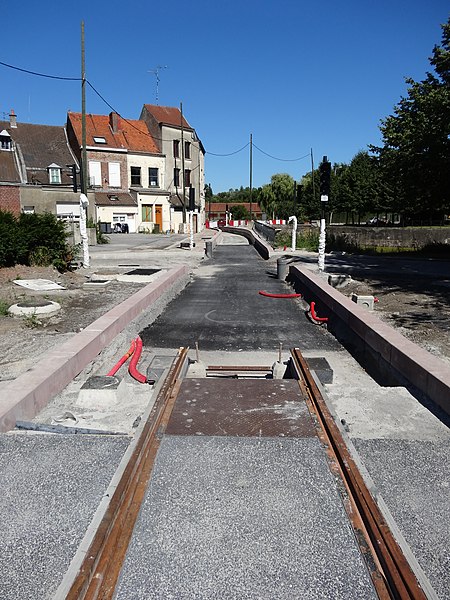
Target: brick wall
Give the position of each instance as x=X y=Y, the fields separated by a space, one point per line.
x=10 y=198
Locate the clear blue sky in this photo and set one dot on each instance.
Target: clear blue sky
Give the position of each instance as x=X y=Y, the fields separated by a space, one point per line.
x=296 y=75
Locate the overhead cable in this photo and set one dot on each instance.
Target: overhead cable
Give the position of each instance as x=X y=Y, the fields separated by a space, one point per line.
x=40 y=74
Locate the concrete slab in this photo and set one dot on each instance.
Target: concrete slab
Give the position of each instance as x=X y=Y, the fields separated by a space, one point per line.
x=243 y=518
x=413 y=478
x=51 y=486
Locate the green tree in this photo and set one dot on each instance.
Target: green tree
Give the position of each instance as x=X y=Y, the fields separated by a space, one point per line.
x=415 y=156
x=239 y=212
x=277 y=197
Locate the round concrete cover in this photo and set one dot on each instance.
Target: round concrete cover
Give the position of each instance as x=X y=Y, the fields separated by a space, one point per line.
x=40 y=308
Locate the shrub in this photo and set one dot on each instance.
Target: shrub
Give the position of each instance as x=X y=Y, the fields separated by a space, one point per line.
x=34 y=239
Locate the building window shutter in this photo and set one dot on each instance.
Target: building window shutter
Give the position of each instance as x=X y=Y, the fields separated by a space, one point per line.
x=114 y=174
x=95 y=173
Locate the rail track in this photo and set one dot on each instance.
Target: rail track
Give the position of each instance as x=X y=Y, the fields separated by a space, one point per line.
x=95 y=573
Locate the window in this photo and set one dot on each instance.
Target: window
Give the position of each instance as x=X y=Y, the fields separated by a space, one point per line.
x=99 y=140
x=153 y=177
x=187 y=177
x=95 y=173
x=176 y=148
x=147 y=212
x=114 y=174
x=187 y=149
x=5 y=140
x=135 y=175
x=176 y=177
x=54 y=173
x=28 y=210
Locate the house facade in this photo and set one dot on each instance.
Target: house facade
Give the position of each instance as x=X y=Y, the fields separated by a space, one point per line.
x=135 y=170
x=184 y=163
x=36 y=173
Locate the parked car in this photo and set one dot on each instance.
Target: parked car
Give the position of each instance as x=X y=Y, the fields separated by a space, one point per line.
x=377 y=221
x=221 y=223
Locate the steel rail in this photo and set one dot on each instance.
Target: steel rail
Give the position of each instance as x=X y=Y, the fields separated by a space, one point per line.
x=100 y=569
x=390 y=571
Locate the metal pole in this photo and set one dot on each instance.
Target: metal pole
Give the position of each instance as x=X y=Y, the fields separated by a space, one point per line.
x=83 y=117
x=84 y=202
x=251 y=175
x=312 y=175
x=183 y=187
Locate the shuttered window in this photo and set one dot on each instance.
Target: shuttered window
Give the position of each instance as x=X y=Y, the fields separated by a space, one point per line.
x=114 y=174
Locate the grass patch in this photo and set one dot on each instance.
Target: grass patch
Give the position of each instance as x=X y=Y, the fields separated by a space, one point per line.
x=4 y=308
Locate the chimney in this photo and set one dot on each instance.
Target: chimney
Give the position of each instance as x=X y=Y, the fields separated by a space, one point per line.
x=114 y=122
x=13 y=119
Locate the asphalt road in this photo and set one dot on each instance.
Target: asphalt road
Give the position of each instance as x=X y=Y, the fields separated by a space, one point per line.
x=222 y=310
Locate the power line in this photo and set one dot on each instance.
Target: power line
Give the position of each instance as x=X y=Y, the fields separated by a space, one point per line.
x=47 y=76
x=230 y=153
x=281 y=159
x=40 y=74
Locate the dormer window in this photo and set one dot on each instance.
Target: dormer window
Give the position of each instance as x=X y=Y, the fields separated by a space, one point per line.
x=5 y=140
x=54 y=173
x=99 y=140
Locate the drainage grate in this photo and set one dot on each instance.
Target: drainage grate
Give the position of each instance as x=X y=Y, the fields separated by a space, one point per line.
x=143 y=272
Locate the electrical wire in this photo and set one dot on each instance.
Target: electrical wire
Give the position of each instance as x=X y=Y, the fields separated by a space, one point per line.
x=230 y=153
x=47 y=76
x=40 y=74
x=281 y=159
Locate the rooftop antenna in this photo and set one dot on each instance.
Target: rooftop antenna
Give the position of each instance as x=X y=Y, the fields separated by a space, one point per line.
x=156 y=73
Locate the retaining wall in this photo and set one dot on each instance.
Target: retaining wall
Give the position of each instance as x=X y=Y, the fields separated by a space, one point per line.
x=377 y=345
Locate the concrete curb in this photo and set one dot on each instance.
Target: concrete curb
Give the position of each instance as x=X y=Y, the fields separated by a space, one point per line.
x=262 y=247
x=424 y=371
x=25 y=396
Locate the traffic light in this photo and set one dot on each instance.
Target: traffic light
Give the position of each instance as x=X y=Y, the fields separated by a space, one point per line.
x=73 y=168
x=325 y=177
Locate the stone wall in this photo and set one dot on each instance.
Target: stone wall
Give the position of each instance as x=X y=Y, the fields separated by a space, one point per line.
x=391 y=237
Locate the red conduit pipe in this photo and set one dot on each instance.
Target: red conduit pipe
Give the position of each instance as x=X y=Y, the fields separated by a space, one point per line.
x=269 y=295
x=314 y=316
x=123 y=360
x=132 y=369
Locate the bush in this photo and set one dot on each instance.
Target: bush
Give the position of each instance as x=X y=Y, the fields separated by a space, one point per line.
x=34 y=239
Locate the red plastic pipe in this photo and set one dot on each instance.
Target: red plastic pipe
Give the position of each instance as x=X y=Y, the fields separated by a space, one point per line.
x=269 y=295
x=123 y=360
x=132 y=369
x=314 y=316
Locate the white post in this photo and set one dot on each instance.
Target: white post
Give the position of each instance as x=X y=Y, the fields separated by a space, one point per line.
x=322 y=238
x=294 y=231
x=191 y=230
x=84 y=203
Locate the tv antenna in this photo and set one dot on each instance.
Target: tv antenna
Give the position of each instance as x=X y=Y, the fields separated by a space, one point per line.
x=156 y=73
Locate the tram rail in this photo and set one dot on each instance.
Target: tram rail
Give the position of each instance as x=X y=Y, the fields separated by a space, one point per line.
x=99 y=571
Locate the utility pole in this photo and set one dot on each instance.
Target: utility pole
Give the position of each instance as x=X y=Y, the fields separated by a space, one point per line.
x=83 y=117
x=251 y=175
x=182 y=167
x=312 y=176
x=84 y=202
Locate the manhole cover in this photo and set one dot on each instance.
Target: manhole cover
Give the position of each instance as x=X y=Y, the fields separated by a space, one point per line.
x=143 y=272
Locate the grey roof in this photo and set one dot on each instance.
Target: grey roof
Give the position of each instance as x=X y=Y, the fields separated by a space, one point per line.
x=38 y=146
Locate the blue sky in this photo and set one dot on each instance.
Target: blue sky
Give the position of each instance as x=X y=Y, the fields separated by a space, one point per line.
x=296 y=75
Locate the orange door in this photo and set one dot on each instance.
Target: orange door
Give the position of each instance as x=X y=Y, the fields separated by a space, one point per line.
x=159 y=216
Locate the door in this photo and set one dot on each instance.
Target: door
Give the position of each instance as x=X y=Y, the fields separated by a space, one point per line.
x=158 y=217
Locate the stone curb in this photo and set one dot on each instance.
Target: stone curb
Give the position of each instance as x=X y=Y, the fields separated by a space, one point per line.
x=25 y=396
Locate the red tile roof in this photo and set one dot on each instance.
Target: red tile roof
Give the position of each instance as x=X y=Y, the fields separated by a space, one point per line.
x=167 y=115
x=131 y=135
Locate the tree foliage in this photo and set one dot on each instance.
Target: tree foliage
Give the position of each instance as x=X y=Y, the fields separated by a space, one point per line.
x=34 y=239
x=415 y=156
